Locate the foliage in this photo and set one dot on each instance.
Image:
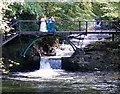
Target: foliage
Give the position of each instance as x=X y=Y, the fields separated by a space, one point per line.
x=112 y=10
x=71 y=11
x=29 y=10
x=3 y=20
x=5 y=65
x=106 y=10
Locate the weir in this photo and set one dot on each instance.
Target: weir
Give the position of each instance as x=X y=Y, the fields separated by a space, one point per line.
x=50 y=63
x=47 y=69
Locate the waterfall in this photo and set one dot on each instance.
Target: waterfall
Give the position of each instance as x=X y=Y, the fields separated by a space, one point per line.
x=55 y=64
x=50 y=63
x=48 y=68
x=44 y=64
x=90 y=38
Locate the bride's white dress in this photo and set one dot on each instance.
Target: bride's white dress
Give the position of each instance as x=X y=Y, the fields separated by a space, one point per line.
x=43 y=27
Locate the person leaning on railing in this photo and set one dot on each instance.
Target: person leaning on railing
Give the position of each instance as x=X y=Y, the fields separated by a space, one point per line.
x=13 y=24
x=51 y=24
x=42 y=22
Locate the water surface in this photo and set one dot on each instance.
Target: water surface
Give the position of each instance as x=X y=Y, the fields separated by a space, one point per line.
x=61 y=81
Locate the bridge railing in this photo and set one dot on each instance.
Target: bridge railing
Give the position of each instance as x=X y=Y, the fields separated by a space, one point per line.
x=101 y=25
x=80 y=26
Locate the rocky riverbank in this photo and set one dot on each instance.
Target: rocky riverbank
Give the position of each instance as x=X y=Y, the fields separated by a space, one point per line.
x=96 y=57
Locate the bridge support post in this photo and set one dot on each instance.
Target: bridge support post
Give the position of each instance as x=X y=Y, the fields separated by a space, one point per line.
x=79 y=25
x=1 y=38
x=19 y=27
x=86 y=27
x=113 y=37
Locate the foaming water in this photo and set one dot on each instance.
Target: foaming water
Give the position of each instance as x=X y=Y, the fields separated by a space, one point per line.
x=45 y=70
x=65 y=50
x=43 y=73
x=88 y=39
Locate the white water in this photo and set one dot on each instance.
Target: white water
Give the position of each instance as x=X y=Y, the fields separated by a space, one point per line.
x=45 y=70
x=44 y=64
x=90 y=38
x=50 y=68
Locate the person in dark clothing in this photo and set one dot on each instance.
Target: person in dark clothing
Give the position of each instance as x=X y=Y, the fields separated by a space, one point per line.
x=13 y=24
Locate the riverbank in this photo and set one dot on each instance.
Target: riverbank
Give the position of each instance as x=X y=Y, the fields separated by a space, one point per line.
x=98 y=56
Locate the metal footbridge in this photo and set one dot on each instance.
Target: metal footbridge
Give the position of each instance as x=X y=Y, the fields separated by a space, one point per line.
x=64 y=28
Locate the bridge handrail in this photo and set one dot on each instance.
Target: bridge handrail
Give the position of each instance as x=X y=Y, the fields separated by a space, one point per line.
x=70 y=21
x=14 y=23
x=79 y=23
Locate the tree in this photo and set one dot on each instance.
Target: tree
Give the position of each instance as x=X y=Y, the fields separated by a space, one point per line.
x=112 y=10
x=70 y=11
x=3 y=21
x=106 y=10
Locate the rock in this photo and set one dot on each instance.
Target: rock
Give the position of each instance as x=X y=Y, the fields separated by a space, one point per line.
x=74 y=64
x=78 y=52
x=99 y=57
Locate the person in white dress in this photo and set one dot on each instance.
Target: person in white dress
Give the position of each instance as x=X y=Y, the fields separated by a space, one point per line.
x=43 y=27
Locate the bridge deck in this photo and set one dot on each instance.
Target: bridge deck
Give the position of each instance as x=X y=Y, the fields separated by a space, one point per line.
x=70 y=32
x=60 y=33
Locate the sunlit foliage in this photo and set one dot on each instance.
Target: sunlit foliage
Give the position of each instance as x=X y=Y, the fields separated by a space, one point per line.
x=5 y=65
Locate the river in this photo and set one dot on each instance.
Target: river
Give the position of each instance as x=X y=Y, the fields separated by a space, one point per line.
x=51 y=79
